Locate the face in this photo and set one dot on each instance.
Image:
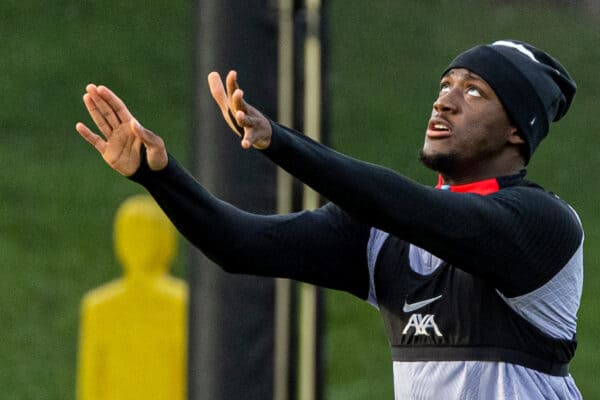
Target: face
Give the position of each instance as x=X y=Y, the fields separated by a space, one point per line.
x=468 y=125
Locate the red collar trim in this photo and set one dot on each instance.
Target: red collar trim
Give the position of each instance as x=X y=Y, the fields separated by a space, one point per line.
x=484 y=187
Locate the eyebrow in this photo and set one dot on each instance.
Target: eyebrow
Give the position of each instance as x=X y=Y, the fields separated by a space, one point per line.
x=467 y=75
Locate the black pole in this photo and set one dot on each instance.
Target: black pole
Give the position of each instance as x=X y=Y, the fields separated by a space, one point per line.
x=231 y=317
x=231 y=335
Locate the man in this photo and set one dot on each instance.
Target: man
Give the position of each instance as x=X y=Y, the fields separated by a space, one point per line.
x=478 y=280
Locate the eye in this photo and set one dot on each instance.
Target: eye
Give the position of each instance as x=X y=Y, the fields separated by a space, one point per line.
x=444 y=87
x=473 y=91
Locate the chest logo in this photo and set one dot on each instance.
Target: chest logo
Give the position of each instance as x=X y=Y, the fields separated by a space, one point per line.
x=421 y=323
x=407 y=308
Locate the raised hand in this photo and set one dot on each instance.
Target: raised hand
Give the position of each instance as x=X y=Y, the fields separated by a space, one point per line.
x=255 y=128
x=122 y=135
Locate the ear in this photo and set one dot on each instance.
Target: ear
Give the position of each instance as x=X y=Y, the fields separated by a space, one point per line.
x=514 y=137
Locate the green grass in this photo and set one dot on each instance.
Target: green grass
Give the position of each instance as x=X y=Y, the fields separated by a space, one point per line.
x=58 y=199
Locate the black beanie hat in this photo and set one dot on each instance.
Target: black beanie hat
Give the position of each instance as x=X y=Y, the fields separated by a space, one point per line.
x=534 y=88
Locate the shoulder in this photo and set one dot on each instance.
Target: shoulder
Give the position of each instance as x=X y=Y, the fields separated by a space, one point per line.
x=547 y=231
x=533 y=202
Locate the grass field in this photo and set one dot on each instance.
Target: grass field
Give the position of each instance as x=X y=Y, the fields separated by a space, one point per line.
x=58 y=199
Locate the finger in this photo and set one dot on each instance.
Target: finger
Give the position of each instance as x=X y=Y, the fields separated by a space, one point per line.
x=252 y=140
x=233 y=124
x=115 y=103
x=246 y=143
x=232 y=84
x=103 y=107
x=96 y=115
x=146 y=135
x=257 y=131
x=234 y=94
x=91 y=137
x=239 y=104
x=245 y=120
x=156 y=152
x=217 y=90
x=152 y=141
x=248 y=137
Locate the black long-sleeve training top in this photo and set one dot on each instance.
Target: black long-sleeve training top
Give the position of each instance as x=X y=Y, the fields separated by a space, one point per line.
x=524 y=234
x=516 y=240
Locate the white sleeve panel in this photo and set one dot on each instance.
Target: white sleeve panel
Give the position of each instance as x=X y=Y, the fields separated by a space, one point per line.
x=553 y=306
x=376 y=240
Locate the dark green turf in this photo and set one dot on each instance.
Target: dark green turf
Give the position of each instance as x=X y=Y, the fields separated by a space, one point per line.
x=58 y=198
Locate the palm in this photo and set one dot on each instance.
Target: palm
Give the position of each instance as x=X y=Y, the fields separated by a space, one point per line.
x=122 y=150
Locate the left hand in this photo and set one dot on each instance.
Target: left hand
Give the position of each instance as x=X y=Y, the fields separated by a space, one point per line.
x=257 y=128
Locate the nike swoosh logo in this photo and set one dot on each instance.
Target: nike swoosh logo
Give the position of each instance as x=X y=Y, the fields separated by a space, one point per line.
x=419 y=304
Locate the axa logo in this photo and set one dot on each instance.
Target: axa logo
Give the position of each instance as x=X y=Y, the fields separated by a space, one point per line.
x=421 y=323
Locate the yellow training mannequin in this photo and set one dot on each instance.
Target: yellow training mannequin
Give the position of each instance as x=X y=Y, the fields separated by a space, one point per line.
x=133 y=330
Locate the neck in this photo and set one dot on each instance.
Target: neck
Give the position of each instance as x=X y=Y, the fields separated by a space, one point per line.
x=469 y=178
x=457 y=172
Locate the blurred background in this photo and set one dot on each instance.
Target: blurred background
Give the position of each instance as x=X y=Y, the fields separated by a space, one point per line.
x=58 y=199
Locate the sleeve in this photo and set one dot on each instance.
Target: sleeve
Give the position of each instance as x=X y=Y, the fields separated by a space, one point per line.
x=325 y=247
x=516 y=238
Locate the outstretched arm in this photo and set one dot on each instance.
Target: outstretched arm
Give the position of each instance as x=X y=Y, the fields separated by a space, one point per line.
x=473 y=232
x=325 y=247
x=516 y=238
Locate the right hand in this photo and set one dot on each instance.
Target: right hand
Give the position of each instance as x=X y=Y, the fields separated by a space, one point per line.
x=236 y=111
x=123 y=134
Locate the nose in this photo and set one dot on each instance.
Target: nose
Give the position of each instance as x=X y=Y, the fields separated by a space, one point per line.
x=446 y=102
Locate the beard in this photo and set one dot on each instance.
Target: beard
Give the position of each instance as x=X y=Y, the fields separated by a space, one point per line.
x=445 y=164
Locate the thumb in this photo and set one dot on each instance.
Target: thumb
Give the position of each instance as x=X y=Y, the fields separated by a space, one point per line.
x=156 y=152
x=257 y=130
x=138 y=129
x=145 y=135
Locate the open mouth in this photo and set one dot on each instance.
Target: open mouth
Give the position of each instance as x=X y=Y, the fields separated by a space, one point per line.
x=437 y=129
